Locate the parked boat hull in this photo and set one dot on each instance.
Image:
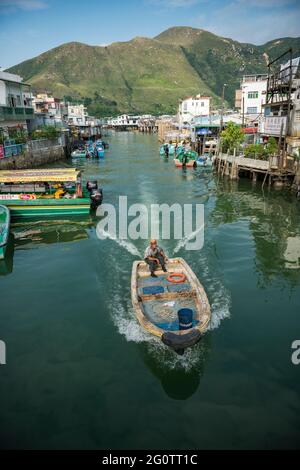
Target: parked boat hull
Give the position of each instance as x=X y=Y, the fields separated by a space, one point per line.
x=48 y=207
x=4 y=229
x=78 y=154
x=179 y=164
x=158 y=312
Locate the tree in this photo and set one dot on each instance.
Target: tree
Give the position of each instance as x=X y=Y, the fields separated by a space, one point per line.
x=45 y=132
x=232 y=137
x=271 y=146
x=18 y=135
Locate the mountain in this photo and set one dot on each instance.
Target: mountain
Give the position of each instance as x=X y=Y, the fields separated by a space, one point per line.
x=149 y=75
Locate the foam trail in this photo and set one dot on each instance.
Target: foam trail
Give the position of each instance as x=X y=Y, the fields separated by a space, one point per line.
x=123 y=243
x=125 y=320
x=187 y=238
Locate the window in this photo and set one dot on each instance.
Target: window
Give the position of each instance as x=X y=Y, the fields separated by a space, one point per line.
x=252 y=110
x=185 y=106
x=202 y=103
x=252 y=94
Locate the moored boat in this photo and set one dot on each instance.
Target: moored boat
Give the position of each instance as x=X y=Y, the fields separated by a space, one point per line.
x=167 y=146
x=179 y=163
x=186 y=159
x=79 y=153
x=172 y=306
x=204 y=161
x=4 y=229
x=47 y=192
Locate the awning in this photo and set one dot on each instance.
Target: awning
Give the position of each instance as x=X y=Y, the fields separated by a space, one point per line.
x=249 y=130
x=55 y=175
x=204 y=131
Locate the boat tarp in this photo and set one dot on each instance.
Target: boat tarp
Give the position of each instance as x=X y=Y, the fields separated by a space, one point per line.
x=59 y=175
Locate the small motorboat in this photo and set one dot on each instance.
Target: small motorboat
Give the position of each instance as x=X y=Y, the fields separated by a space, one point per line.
x=204 y=161
x=186 y=159
x=172 y=306
x=100 y=152
x=171 y=149
x=189 y=164
x=4 y=229
x=78 y=153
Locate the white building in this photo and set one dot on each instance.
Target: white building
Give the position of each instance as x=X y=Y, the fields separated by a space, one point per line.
x=75 y=114
x=251 y=97
x=192 y=107
x=123 y=120
x=15 y=101
x=127 y=120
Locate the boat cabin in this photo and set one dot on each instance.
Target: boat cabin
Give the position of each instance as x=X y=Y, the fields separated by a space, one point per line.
x=58 y=183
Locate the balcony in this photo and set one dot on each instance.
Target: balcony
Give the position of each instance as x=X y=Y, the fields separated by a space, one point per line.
x=8 y=113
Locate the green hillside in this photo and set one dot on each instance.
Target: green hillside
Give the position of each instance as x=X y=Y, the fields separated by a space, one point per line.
x=148 y=75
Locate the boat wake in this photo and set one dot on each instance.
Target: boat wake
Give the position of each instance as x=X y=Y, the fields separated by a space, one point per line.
x=187 y=238
x=122 y=243
x=125 y=320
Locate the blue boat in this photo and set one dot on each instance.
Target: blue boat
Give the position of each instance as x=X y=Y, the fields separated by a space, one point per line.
x=171 y=148
x=204 y=161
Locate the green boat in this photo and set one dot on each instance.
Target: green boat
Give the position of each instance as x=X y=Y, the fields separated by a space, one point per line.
x=4 y=229
x=47 y=192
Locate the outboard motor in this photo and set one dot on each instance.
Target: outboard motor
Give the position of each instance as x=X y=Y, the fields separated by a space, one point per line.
x=91 y=185
x=96 y=196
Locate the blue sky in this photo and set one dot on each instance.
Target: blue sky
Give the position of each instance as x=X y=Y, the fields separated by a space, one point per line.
x=30 y=27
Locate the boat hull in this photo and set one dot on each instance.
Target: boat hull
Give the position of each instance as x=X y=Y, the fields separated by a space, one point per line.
x=2 y=251
x=78 y=155
x=4 y=229
x=189 y=164
x=47 y=207
x=157 y=311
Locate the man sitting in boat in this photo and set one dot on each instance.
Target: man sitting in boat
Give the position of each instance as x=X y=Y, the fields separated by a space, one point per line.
x=154 y=255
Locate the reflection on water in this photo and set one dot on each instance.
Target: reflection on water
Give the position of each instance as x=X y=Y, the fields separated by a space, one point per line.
x=273 y=219
x=81 y=371
x=179 y=375
x=50 y=231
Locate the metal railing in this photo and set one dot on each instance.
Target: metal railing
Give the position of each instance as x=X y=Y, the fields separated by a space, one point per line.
x=13 y=150
x=10 y=113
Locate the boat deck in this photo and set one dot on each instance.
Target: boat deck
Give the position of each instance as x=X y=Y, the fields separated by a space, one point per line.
x=162 y=299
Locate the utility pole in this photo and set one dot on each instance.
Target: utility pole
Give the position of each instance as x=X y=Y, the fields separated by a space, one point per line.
x=243 y=109
x=222 y=109
x=222 y=113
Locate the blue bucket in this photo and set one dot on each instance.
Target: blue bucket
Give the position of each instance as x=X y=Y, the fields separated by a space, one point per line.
x=185 y=318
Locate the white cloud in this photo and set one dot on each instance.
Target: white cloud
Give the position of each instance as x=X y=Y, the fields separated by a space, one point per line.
x=8 y=6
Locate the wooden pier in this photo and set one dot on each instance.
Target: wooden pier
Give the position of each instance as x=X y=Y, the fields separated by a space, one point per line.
x=269 y=172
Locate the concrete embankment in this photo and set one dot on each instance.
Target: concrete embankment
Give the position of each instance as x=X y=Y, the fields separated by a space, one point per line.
x=36 y=154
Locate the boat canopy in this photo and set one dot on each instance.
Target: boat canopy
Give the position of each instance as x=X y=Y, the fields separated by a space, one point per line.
x=55 y=175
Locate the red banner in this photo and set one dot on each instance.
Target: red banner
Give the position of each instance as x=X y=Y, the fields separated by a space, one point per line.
x=1 y=151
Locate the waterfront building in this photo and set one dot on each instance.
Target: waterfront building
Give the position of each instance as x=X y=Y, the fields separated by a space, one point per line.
x=192 y=107
x=205 y=130
x=282 y=107
x=74 y=114
x=16 y=110
x=126 y=121
x=251 y=97
x=47 y=109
